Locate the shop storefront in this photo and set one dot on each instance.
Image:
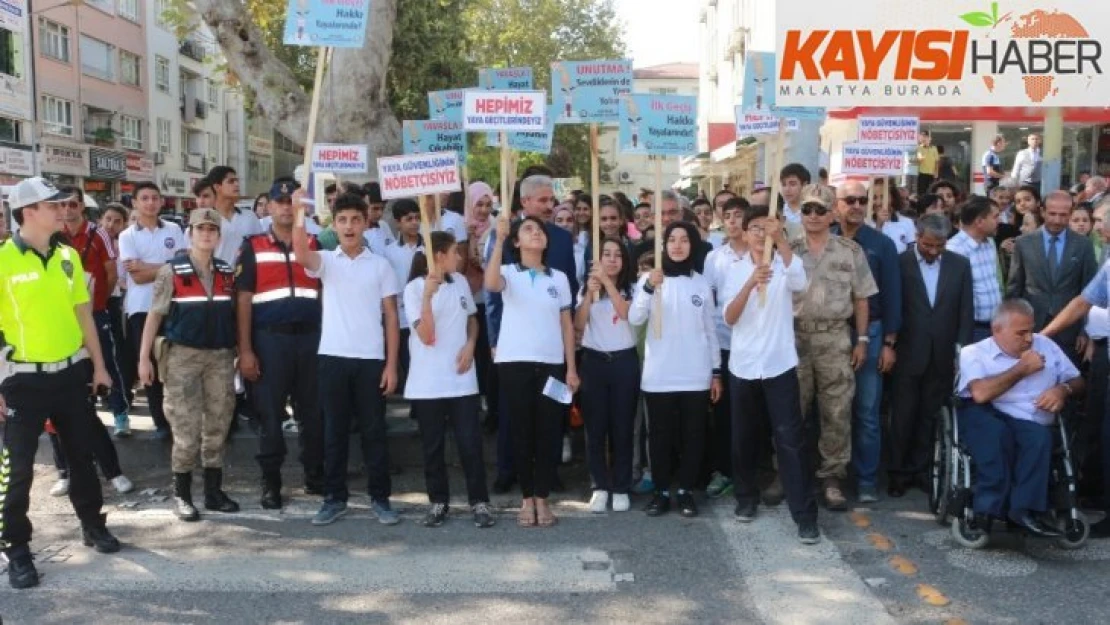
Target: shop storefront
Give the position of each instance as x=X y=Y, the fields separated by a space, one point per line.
x=106 y=169
x=140 y=168
x=64 y=164
x=15 y=165
x=177 y=190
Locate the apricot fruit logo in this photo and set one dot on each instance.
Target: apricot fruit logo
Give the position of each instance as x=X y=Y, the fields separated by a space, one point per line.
x=1040 y=48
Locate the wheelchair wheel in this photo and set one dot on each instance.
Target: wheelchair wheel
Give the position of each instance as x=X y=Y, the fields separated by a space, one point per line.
x=1076 y=533
x=940 y=481
x=967 y=536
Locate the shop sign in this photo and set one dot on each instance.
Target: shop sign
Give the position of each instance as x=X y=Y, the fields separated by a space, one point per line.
x=107 y=164
x=69 y=160
x=16 y=162
x=140 y=168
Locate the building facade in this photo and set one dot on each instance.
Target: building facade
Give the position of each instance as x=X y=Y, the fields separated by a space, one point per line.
x=16 y=104
x=92 y=124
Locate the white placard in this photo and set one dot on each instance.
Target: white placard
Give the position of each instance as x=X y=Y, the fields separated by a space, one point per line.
x=873 y=160
x=754 y=125
x=419 y=174
x=505 y=111
x=896 y=131
x=340 y=159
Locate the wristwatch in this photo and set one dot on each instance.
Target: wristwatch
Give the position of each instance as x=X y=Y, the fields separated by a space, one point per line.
x=863 y=338
x=891 y=343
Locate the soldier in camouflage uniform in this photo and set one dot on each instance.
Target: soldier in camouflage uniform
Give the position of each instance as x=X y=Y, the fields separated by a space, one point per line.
x=840 y=282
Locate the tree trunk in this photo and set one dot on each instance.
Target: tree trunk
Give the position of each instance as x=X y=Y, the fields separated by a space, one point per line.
x=354 y=106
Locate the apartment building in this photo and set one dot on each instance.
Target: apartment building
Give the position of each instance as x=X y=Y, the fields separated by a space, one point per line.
x=16 y=105
x=91 y=84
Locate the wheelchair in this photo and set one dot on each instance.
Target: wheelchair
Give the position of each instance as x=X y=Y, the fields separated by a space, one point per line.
x=951 y=482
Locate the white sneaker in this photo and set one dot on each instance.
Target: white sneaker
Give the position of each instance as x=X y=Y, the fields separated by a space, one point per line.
x=566 y=449
x=599 y=501
x=60 y=488
x=122 y=484
x=621 y=503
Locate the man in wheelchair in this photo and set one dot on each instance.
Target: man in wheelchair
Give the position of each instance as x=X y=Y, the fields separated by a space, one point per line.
x=1011 y=386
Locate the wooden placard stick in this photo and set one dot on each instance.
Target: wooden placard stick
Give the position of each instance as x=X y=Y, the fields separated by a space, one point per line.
x=426 y=229
x=657 y=298
x=321 y=54
x=506 y=186
x=776 y=158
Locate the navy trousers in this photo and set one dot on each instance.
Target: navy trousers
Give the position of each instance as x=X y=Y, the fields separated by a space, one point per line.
x=1012 y=460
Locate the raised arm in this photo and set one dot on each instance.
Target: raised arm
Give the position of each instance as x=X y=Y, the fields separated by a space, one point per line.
x=306 y=256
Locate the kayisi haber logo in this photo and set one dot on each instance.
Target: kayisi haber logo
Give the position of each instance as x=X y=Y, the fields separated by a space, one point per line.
x=1046 y=50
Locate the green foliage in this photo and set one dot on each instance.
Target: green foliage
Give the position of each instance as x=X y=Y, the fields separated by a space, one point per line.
x=429 y=54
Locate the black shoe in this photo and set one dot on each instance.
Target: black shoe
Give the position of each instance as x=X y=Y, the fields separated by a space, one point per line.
x=687 y=507
x=808 y=533
x=490 y=424
x=22 y=573
x=183 y=506
x=660 y=505
x=503 y=484
x=896 y=489
x=745 y=512
x=557 y=485
x=216 y=499
x=98 y=537
x=436 y=515
x=1036 y=527
x=1101 y=529
x=271 y=492
x=314 y=483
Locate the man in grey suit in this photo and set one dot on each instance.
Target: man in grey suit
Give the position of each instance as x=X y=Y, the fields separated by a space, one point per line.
x=938 y=312
x=1050 y=267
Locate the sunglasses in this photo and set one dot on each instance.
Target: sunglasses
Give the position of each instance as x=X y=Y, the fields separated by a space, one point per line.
x=855 y=199
x=809 y=209
x=70 y=204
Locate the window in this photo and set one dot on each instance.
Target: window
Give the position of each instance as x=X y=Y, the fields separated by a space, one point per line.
x=161 y=8
x=129 y=9
x=184 y=143
x=165 y=134
x=132 y=137
x=97 y=59
x=213 y=148
x=10 y=130
x=54 y=40
x=129 y=65
x=10 y=54
x=162 y=73
x=108 y=6
x=213 y=95
x=57 y=116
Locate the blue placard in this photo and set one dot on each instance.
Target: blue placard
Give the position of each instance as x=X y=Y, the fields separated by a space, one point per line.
x=589 y=91
x=326 y=23
x=434 y=135
x=446 y=104
x=538 y=142
x=664 y=125
x=758 y=97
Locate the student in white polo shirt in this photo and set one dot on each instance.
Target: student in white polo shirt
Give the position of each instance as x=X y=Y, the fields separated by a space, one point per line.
x=610 y=374
x=144 y=247
x=359 y=341
x=238 y=223
x=400 y=254
x=443 y=382
x=681 y=366
x=763 y=373
x=536 y=346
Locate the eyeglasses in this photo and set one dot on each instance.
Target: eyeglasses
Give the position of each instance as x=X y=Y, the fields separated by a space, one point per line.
x=809 y=209
x=758 y=229
x=70 y=204
x=855 y=199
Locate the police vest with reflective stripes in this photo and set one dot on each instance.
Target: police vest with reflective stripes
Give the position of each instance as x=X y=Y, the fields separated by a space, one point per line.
x=279 y=276
x=197 y=319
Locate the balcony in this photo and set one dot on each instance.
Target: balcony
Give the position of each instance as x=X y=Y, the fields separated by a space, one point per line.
x=195 y=162
x=104 y=137
x=192 y=50
x=202 y=110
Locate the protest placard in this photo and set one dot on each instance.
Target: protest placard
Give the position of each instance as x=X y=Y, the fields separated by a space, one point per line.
x=748 y=125
x=874 y=160
x=896 y=131
x=538 y=142
x=505 y=78
x=505 y=111
x=412 y=175
x=663 y=125
x=759 y=90
x=434 y=135
x=589 y=91
x=446 y=104
x=340 y=159
x=326 y=24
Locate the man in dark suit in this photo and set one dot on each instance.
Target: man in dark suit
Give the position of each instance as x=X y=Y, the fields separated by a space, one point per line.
x=537 y=199
x=1050 y=267
x=938 y=313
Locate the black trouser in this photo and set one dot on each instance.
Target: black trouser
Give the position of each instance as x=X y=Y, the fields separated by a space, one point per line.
x=916 y=399
x=109 y=348
x=924 y=181
x=610 y=389
x=1088 y=447
x=31 y=398
x=537 y=423
x=288 y=365
x=350 y=389
x=483 y=361
x=720 y=448
x=99 y=443
x=126 y=352
x=154 y=393
x=462 y=412
x=677 y=420
x=754 y=402
x=403 y=357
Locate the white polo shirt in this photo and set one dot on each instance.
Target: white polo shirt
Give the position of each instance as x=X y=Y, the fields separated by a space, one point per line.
x=685 y=355
x=762 y=341
x=148 y=246
x=450 y=221
x=719 y=265
x=378 y=239
x=352 y=300
x=400 y=258
x=531 y=329
x=243 y=223
x=605 y=330
x=433 y=372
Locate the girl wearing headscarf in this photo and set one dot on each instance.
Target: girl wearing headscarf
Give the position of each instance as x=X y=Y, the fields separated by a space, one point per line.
x=479 y=204
x=681 y=374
